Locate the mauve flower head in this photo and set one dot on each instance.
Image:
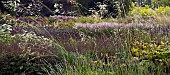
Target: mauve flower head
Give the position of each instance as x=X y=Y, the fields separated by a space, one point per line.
x=63 y=18
x=39 y=20
x=144 y=25
x=16 y=30
x=129 y=25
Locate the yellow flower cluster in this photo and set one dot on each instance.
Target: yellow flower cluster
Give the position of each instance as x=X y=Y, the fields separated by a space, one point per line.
x=149 y=12
x=142 y=12
x=165 y=11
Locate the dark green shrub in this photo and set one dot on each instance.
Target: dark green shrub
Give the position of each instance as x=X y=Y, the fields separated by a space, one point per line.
x=158 y=3
x=114 y=7
x=30 y=63
x=8 y=6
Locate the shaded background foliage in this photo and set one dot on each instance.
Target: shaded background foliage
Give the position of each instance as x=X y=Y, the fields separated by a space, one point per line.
x=69 y=7
x=85 y=5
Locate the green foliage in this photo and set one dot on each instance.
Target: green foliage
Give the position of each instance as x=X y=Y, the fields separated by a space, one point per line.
x=7 y=19
x=5 y=36
x=152 y=51
x=30 y=63
x=161 y=2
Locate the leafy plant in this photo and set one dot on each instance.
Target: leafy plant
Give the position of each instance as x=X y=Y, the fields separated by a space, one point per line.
x=5 y=36
x=151 y=51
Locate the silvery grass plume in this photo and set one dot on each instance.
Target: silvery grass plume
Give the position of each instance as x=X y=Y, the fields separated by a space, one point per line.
x=63 y=18
x=98 y=25
x=28 y=20
x=152 y=29
x=111 y=25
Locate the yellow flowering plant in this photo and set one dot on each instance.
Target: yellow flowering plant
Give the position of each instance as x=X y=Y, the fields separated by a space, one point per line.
x=142 y=12
x=146 y=11
x=164 y=11
x=151 y=50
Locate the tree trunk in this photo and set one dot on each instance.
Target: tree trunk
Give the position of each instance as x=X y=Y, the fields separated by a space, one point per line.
x=1 y=7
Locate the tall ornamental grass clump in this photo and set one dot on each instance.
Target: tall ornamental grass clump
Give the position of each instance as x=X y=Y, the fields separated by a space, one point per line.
x=34 y=55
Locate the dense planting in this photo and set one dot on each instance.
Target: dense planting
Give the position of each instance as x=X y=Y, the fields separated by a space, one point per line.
x=135 y=43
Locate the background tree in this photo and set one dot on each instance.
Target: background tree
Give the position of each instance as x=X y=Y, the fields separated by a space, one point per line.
x=3 y=8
